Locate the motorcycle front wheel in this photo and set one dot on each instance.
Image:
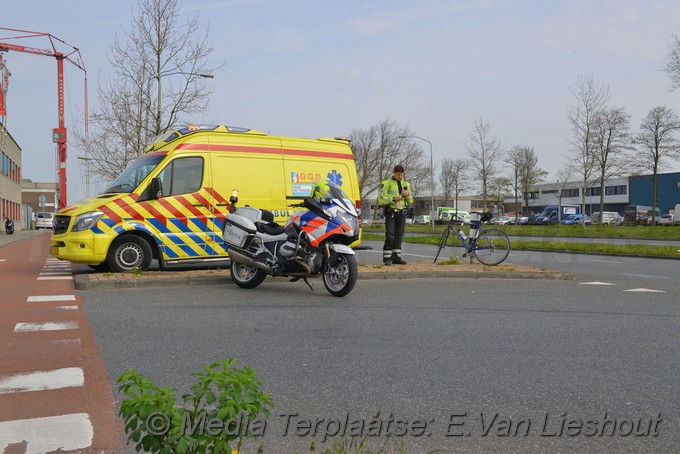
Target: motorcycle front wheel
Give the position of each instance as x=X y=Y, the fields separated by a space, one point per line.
x=246 y=276
x=340 y=274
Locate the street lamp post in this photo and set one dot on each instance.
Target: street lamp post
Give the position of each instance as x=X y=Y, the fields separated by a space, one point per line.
x=431 y=178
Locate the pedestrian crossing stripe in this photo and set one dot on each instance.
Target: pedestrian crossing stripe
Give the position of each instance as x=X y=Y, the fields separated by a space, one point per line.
x=69 y=377
x=49 y=434
x=49 y=298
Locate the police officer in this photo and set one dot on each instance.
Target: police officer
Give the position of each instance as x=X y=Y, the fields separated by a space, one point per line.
x=395 y=196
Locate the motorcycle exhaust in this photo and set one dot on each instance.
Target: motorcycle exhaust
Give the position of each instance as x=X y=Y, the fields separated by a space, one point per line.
x=245 y=260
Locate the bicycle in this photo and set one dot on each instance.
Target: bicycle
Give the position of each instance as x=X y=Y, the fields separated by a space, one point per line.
x=489 y=246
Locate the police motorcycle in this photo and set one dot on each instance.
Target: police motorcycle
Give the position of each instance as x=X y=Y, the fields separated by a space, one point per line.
x=9 y=226
x=313 y=243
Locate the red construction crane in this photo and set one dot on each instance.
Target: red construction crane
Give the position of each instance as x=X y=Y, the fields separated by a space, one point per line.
x=73 y=56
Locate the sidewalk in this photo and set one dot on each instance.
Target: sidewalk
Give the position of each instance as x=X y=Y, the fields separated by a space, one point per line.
x=414 y=270
x=20 y=235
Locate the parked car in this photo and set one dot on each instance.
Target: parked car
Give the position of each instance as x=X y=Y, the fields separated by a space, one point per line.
x=503 y=220
x=608 y=218
x=425 y=219
x=666 y=219
x=43 y=220
x=575 y=219
x=639 y=214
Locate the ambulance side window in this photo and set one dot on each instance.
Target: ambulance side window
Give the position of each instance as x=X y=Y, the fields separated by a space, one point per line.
x=182 y=176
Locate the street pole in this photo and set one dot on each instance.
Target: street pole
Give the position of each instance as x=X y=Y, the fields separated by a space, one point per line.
x=432 y=210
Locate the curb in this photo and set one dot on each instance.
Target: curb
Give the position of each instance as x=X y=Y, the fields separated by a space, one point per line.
x=83 y=281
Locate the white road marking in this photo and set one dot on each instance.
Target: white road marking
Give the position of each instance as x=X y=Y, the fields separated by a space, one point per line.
x=3 y=260
x=644 y=290
x=596 y=283
x=70 y=308
x=607 y=261
x=54 y=278
x=65 y=342
x=644 y=275
x=45 y=326
x=48 y=298
x=53 y=433
x=70 y=377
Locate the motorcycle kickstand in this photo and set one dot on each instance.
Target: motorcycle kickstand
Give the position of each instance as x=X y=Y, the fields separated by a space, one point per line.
x=308 y=284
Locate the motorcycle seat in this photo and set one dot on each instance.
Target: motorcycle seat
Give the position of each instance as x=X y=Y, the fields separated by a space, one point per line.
x=269 y=228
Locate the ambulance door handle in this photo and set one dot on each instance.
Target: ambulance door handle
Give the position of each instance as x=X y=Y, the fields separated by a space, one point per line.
x=222 y=204
x=199 y=204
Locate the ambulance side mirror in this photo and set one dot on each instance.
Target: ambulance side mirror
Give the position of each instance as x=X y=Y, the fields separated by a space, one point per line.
x=156 y=188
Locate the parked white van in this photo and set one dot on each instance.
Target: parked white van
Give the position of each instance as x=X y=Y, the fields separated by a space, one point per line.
x=608 y=218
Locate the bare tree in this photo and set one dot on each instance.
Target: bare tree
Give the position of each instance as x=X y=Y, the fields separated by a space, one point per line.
x=514 y=162
x=591 y=100
x=530 y=173
x=484 y=152
x=499 y=186
x=612 y=141
x=563 y=180
x=158 y=76
x=364 y=144
x=379 y=148
x=452 y=178
x=672 y=65
x=658 y=142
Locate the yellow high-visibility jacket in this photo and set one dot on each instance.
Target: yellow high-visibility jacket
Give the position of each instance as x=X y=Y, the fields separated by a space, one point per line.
x=389 y=191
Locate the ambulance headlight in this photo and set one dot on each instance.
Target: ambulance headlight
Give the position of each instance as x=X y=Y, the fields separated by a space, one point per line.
x=86 y=221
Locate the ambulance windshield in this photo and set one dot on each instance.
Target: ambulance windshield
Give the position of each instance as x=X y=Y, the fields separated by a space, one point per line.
x=135 y=174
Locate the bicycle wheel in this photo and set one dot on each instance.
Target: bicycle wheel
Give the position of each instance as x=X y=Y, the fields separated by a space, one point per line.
x=493 y=246
x=442 y=243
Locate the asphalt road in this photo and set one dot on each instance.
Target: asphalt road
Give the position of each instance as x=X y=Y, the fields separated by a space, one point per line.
x=576 y=351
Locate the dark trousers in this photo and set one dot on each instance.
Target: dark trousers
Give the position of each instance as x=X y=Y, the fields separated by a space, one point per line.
x=394 y=232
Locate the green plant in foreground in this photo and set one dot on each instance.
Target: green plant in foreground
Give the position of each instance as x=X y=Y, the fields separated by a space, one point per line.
x=453 y=260
x=154 y=421
x=136 y=271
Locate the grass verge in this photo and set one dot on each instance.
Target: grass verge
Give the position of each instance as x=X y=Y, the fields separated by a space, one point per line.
x=559 y=246
x=567 y=231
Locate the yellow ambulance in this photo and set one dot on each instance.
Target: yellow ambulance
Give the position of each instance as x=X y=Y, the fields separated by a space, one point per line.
x=170 y=203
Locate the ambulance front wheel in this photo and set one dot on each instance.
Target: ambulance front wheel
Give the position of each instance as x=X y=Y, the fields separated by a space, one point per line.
x=129 y=252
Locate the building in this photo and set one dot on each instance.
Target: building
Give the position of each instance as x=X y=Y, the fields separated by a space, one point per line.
x=616 y=196
x=10 y=179
x=40 y=196
x=667 y=194
x=618 y=193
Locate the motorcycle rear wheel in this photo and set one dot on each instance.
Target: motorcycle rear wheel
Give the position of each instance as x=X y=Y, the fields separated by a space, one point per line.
x=340 y=274
x=246 y=276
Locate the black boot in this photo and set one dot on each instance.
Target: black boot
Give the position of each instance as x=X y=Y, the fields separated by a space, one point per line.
x=397 y=260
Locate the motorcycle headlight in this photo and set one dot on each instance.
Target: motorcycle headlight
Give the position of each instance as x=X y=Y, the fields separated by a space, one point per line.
x=350 y=220
x=86 y=221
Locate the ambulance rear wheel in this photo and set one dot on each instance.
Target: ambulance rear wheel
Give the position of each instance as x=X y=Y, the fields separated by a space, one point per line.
x=129 y=252
x=246 y=276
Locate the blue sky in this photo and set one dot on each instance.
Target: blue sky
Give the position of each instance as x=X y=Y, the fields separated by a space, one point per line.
x=318 y=68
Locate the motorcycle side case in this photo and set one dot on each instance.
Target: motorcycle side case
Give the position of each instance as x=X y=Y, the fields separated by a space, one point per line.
x=238 y=231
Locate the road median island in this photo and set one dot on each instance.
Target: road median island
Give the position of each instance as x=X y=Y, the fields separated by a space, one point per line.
x=414 y=270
